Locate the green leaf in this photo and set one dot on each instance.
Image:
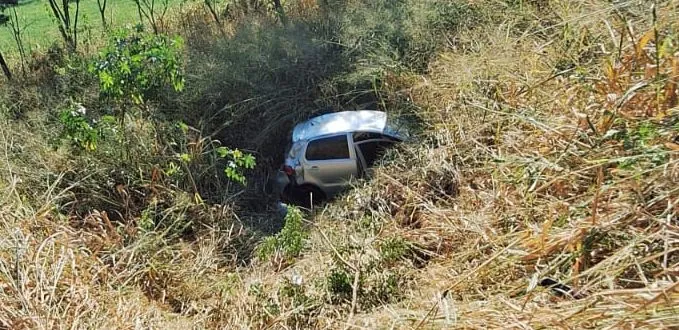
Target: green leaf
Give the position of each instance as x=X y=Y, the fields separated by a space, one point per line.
x=137 y=98
x=186 y=158
x=125 y=68
x=249 y=161
x=183 y=127
x=106 y=80
x=222 y=152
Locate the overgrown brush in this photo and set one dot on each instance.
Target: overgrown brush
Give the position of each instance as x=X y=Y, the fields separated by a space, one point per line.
x=565 y=175
x=546 y=152
x=546 y=160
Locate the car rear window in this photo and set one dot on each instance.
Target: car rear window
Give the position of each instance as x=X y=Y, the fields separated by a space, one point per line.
x=335 y=147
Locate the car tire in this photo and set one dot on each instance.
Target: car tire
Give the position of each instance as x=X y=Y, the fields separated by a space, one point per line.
x=308 y=196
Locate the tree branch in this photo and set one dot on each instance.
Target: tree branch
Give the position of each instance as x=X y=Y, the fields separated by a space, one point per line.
x=5 y=68
x=102 y=13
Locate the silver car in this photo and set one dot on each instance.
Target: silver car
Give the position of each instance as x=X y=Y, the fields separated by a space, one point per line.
x=328 y=151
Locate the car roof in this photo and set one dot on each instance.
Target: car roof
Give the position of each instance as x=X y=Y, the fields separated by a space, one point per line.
x=343 y=122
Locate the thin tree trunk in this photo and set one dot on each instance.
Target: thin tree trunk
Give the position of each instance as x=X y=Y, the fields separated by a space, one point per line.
x=147 y=9
x=75 y=24
x=102 y=13
x=67 y=16
x=152 y=16
x=166 y=6
x=211 y=7
x=5 y=68
x=141 y=18
x=60 y=20
x=63 y=16
x=16 y=33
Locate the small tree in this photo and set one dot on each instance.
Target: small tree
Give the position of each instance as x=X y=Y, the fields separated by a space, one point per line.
x=12 y=21
x=68 y=24
x=153 y=11
x=135 y=66
x=131 y=71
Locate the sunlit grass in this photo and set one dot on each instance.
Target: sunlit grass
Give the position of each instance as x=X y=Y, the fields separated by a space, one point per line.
x=547 y=148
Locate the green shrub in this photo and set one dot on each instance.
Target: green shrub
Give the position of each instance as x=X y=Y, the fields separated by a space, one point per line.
x=340 y=285
x=82 y=132
x=135 y=66
x=393 y=249
x=78 y=130
x=289 y=243
x=237 y=162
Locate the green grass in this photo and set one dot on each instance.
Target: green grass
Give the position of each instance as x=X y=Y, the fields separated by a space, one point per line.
x=40 y=29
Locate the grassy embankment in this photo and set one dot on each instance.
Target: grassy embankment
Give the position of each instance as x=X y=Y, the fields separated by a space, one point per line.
x=546 y=148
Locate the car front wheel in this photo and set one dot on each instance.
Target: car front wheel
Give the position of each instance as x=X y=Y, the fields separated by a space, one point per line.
x=306 y=196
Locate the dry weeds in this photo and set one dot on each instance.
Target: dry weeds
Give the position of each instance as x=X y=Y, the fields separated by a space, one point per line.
x=550 y=151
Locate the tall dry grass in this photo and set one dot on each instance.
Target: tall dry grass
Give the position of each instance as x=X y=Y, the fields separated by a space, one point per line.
x=548 y=150
x=550 y=153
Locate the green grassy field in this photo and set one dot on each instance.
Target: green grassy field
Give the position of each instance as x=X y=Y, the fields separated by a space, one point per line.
x=40 y=30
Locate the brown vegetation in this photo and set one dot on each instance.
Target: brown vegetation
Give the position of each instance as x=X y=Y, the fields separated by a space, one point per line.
x=547 y=148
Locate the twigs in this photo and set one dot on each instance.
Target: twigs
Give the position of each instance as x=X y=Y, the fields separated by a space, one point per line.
x=337 y=254
x=354 y=295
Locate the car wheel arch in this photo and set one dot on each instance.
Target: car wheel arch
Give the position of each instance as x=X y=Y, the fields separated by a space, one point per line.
x=308 y=187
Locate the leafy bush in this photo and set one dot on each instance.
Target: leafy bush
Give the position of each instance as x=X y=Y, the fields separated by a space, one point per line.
x=393 y=249
x=80 y=131
x=339 y=284
x=289 y=243
x=237 y=161
x=135 y=66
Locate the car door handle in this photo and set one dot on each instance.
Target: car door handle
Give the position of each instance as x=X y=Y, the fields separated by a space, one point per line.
x=314 y=168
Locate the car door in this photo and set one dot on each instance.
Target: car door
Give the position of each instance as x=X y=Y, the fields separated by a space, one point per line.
x=371 y=150
x=329 y=163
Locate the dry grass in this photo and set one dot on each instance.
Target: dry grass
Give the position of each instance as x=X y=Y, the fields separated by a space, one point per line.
x=549 y=151
x=523 y=176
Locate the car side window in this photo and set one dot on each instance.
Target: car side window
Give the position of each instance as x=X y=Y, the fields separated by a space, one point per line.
x=334 y=147
x=373 y=150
